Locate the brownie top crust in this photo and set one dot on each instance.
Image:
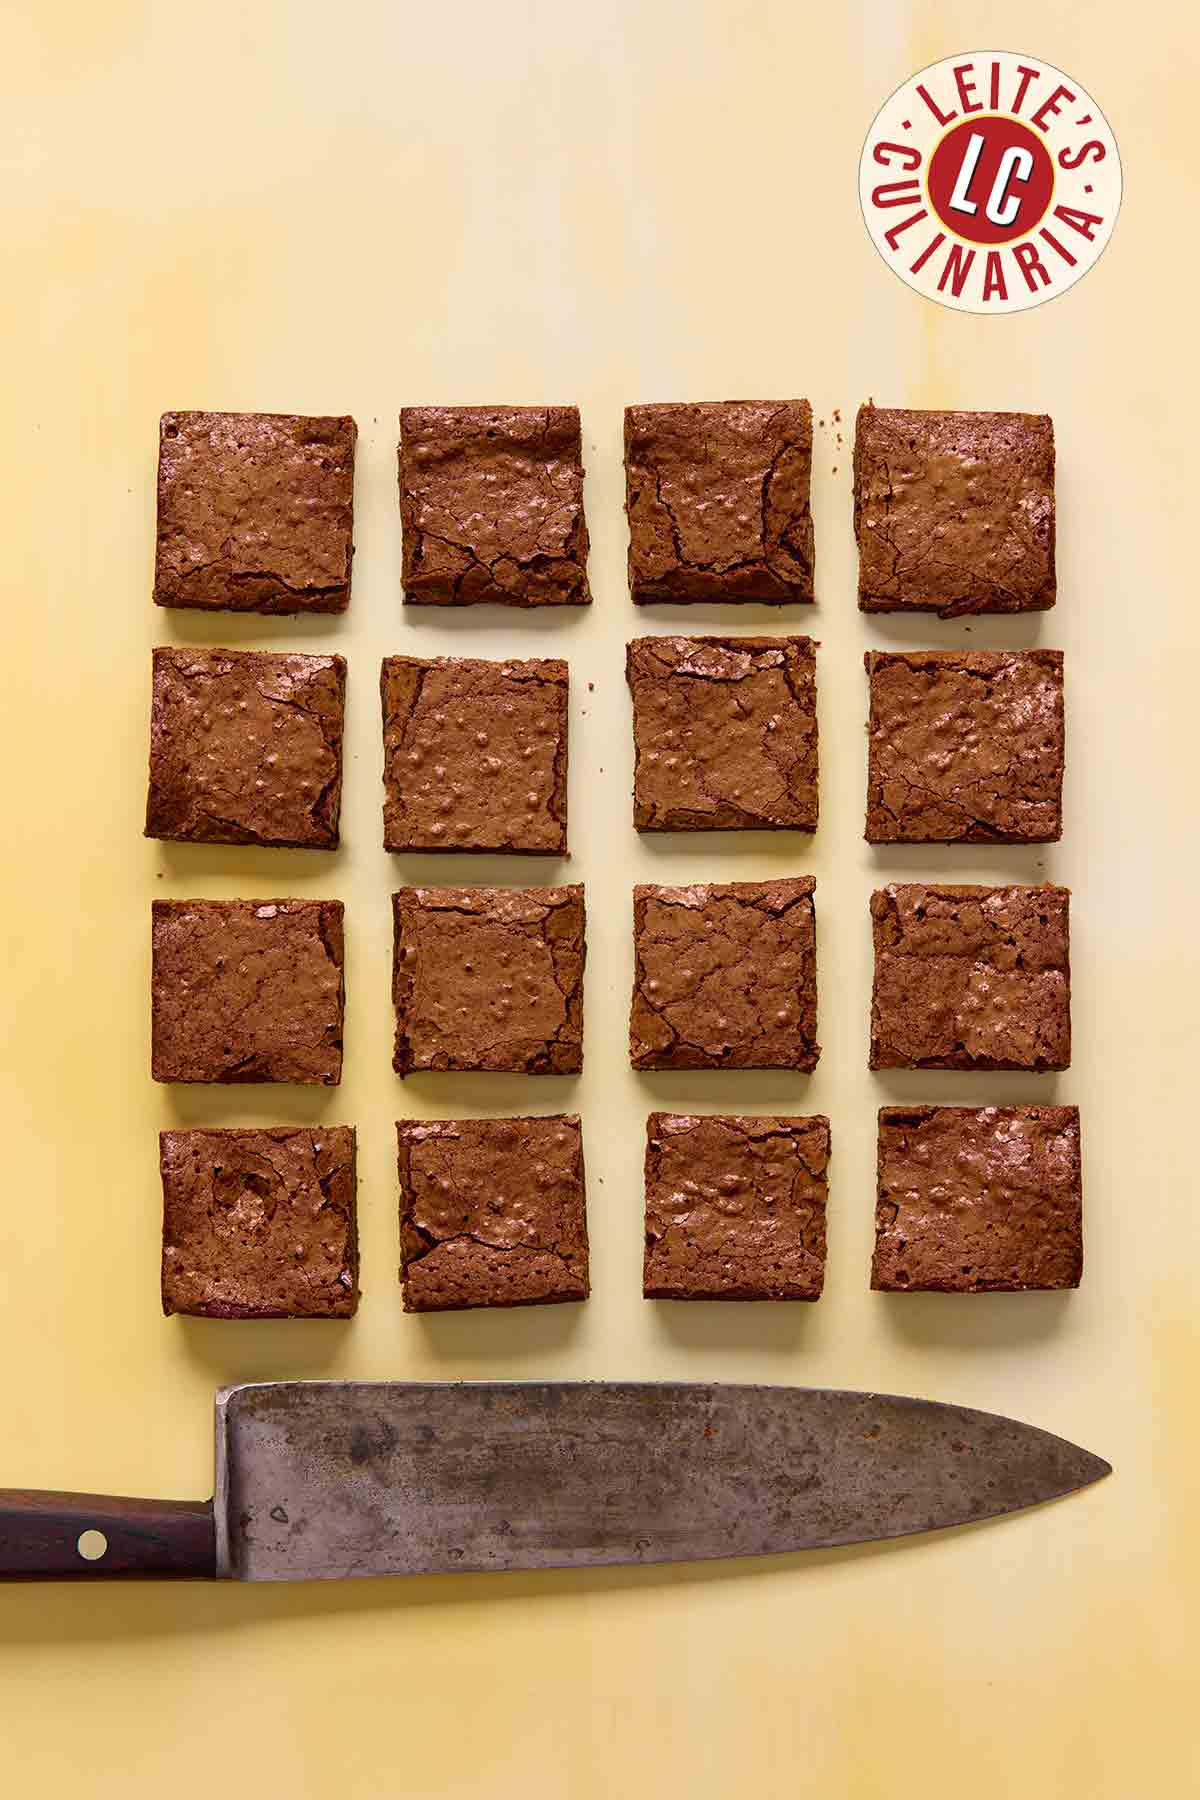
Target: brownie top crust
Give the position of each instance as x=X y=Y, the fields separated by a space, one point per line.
x=492 y=1212
x=971 y=1201
x=971 y=978
x=246 y=747
x=954 y=511
x=489 y=979
x=717 y=496
x=735 y=1207
x=247 y=990
x=475 y=754
x=725 y=733
x=965 y=746
x=725 y=976
x=255 y=512
x=491 y=503
x=259 y=1224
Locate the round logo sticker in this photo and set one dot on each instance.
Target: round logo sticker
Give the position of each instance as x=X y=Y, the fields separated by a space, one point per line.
x=990 y=182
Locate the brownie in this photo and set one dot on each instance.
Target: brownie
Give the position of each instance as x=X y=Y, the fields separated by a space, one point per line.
x=491 y=1212
x=246 y=748
x=489 y=978
x=724 y=733
x=259 y=1224
x=971 y=1202
x=954 y=511
x=255 y=512
x=971 y=978
x=717 y=496
x=491 y=504
x=965 y=746
x=735 y=1208
x=725 y=977
x=247 y=990
x=474 y=755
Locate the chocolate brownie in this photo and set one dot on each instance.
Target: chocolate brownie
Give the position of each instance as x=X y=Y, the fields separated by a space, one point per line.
x=489 y=978
x=247 y=990
x=971 y=1202
x=735 y=1208
x=971 y=978
x=954 y=511
x=965 y=746
x=491 y=504
x=474 y=755
x=491 y=1212
x=259 y=1224
x=725 y=977
x=246 y=748
x=717 y=496
x=255 y=512
x=724 y=733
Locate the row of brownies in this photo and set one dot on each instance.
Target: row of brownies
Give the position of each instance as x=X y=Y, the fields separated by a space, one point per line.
x=725 y=977
x=261 y=1224
x=246 y=746
x=255 y=510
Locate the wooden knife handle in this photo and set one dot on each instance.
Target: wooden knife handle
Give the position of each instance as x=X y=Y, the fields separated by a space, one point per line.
x=90 y=1537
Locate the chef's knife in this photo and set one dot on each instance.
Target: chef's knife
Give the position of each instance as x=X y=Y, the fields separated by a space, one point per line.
x=325 y=1479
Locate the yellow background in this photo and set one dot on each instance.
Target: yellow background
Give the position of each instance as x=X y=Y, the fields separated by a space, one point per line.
x=352 y=206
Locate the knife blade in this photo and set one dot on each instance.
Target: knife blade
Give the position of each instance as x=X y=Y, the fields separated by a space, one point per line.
x=323 y=1480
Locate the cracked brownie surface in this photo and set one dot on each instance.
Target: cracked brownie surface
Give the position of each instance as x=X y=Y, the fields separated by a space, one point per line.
x=735 y=1207
x=489 y=979
x=491 y=504
x=978 y=1201
x=954 y=511
x=725 y=733
x=255 y=512
x=475 y=755
x=971 y=978
x=492 y=1212
x=725 y=977
x=965 y=745
x=246 y=748
x=259 y=1224
x=717 y=496
x=247 y=990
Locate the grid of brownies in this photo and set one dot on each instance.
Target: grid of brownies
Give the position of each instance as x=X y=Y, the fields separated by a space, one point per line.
x=953 y=512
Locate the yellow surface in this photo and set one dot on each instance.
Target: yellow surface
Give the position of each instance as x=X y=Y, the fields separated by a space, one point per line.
x=352 y=206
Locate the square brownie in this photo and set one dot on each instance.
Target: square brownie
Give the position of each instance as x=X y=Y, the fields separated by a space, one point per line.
x=255 y=512
x=259 y=1224
x=246 y=748
x=725 y=977
x=724 y=733
x=971 y=978
x=717 y=496
x=735 y=1208
x=491 y=505
x=972 y=1202
x=490 y=979
x=492 y=1212
x=474 y=755
x=954 y=511
x=247 y=990
x=965 y=746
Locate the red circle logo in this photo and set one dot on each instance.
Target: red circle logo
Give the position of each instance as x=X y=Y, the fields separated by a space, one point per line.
x=991 y=180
